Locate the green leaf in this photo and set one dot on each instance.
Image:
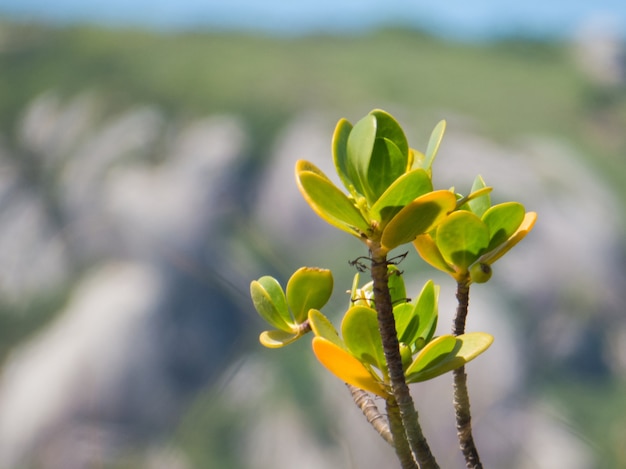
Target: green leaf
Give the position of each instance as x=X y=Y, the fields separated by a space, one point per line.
x=446 y=353
x=527 y=225
x=433 y=145
x=328 y=201
x=503 y=220
x=359 y=329
x=404 y=190
x=386 y=165
x=308 y=287
x=388 y=127
x=462 y=238
x=269 y=300
x=407 y=323
x=426 y=308
x=277 y=339
x=359 y=151
x=346 y=367
x=429 y=252
x=340 y=152
x=418 y=217
x=433 y=353
x=479 y=202
x=322 y=327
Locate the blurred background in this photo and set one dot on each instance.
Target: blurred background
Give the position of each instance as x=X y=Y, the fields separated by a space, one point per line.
x=146 y=177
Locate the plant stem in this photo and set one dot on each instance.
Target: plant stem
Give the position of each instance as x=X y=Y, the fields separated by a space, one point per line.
x=401 y=444
x=369 y=408
x=391 y=348
x=461 y=395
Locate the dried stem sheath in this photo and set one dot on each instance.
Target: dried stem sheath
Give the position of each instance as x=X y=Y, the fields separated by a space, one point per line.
x=461 y=395
x=369 y=408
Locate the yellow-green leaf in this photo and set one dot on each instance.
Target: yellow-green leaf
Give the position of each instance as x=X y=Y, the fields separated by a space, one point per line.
x=330 y=203
x=269 y=301
x=527 y=225
x=446 y=353
x=277 y=339
x=418 y=217
x=428 y=250
x=308 y=287
x=359 y=329
x=346 y=367
x=322 y=327
x=404 y=190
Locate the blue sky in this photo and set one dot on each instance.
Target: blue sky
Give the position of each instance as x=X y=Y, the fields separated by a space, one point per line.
x=463 y=19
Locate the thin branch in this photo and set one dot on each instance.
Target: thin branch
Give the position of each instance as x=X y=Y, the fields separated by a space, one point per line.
x=461 y=395
x=391 y=348
x=374 y=417
x=401 y=444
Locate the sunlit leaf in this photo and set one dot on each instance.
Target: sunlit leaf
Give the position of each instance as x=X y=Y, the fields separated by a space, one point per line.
x=345 y=367
x=527 y=225
x=308 y=287
x=426 y=307
x=503 y=220
x=433 y=144
x=433 y=353
x=428 y=250
x=269 y=300
x=479 y=199
x=340 y=152
x=404 y=190
x=407 y=322
x=359 y=150
x=387 y=164
x=446 y=353
x=322 y=327
x=277 y=339
x=388 y=127
x=418 y=217
x=462 y=238
x=329 y=202
x=359 y=329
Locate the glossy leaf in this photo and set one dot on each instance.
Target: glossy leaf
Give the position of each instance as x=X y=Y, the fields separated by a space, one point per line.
x=434 y=352
x=503 y=220
x=308 y=288
x=322 y=327
x=404 y=190
x=433 y=145
x=328 y=201
x=359 y=149
x=429 y=252
x=446 y=353
x=479 y=201
x=359 y=329
x=340 y=153
x=387 y=164
x=419 y=216
x=345 y=367
x=269 y=300
x=407 y=323
x=388 y=127
x=462 y=238
x=427 y=309
x=277 y=339
x=526 y=226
